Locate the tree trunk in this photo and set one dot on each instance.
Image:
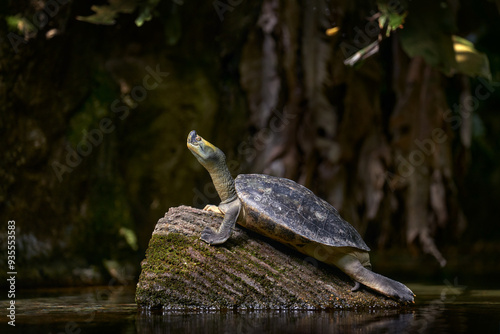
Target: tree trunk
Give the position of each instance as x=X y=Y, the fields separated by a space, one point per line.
x=247 y=272
x=381 y=154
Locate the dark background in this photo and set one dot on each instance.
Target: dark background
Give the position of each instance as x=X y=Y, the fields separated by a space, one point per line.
x=404 y=143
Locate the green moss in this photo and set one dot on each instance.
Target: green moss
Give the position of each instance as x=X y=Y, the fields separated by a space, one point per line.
x=168 y=257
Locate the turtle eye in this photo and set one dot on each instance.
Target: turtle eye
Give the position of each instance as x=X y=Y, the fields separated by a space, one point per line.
x=198 y=138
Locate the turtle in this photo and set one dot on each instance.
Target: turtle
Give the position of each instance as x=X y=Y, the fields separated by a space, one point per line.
x=291 y=214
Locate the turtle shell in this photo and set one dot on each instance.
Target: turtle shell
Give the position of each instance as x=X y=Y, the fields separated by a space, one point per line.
x=290 y=213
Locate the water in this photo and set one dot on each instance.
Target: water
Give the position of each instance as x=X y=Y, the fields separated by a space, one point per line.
x=447 y=308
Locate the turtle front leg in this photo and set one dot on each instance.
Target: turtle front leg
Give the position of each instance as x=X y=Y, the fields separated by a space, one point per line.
x=220 y=236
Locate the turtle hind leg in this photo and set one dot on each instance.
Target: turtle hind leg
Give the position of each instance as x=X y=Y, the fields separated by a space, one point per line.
x=357 y=286
x=220 y=236
x=386 y=286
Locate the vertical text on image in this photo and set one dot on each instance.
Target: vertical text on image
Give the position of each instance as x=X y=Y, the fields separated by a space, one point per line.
x=11 y=271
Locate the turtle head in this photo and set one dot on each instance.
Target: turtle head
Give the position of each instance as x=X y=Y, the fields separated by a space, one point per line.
x=206 y=153
x=214 y=160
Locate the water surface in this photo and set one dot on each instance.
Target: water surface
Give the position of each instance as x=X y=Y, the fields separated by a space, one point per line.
x=447 y=308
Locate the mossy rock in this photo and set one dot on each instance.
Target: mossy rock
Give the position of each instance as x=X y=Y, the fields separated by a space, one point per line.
x=247 y=272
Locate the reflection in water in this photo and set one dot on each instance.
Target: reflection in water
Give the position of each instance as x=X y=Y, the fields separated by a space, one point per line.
x=275 y=322
x=439 y=309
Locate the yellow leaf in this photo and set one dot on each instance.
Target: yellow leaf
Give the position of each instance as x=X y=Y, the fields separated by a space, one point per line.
x=470 y=61
x=332 y=31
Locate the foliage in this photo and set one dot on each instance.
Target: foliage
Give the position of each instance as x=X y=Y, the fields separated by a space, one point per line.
x=107 y=14
x=469 y=61
x=391 y=17
x=427 y=33
x=20 y=24
x=426 y=30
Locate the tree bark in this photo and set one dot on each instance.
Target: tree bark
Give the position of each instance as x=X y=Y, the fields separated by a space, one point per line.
x=371 y=140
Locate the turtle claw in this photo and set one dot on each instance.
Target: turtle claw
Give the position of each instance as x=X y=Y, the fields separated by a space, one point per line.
x=404 y=294
x=212 y=208
x=356 y=286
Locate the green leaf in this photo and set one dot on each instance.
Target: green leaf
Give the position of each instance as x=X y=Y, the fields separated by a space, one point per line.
x=470 y=61
x=20 y=24
x=392 y=15
x=106 y=14
x=173 y=28
x=144 y=15
x=145 y=12
x=130 y=237
x=427 y=33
